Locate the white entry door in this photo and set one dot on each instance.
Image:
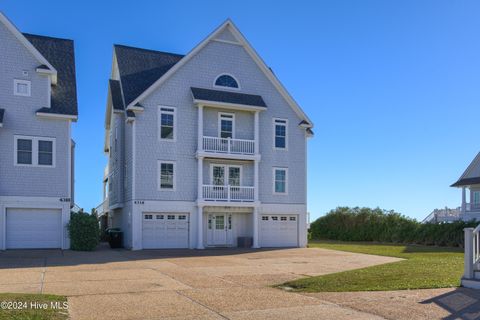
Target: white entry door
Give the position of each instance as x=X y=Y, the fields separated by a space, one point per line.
x=165 y=230
x=279 y=231
x=34 y=228
x=219 y=229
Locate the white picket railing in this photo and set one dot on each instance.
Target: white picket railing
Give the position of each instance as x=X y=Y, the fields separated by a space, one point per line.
x=228 y=193
x=228 y=145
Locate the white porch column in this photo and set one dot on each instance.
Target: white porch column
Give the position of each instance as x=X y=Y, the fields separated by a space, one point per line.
x=464 y=202
x=255 y=227
x=200 y=228
x=257 y=132
x=200 y=179
x=468 y=257
x=255 y=181
x=200 y=128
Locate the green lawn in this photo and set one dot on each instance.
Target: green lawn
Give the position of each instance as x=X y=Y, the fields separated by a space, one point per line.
x=29 y=311
x=423 y=267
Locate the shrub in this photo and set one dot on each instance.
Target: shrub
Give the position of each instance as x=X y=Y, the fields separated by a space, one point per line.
x=365 y=224
x=84 y=231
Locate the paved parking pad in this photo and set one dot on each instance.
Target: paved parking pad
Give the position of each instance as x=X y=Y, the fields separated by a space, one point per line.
x=182 y=284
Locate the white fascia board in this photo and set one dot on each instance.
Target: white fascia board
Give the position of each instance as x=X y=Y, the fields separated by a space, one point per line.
x=269 y=74
x=242 y=40
x=473 y=164
x=226 y=105
x=136 y=108
x=56 y=116
x=179 y=64
x=11 y=27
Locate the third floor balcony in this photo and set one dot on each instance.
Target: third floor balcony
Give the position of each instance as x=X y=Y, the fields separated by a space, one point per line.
x=228 y=124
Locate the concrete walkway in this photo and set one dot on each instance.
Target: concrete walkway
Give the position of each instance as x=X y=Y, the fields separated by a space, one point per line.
x=186 y=284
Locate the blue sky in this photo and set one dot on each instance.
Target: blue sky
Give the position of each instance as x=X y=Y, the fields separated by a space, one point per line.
x=392 y=86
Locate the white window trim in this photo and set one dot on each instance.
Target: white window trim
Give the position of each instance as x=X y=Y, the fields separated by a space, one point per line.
x=286 y=181
x=34 y=151
x=159 y=174
x=219 y=120
x=160 y=112
x=286 y=133
x=226 y=173
x=227 y=88
x=29 y=87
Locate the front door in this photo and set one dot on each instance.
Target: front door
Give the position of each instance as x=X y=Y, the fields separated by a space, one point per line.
x=219 y=229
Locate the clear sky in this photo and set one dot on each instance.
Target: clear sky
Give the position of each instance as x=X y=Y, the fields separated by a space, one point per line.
x=393 y=87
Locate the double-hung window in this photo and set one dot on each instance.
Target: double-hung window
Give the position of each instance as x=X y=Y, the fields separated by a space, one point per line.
x=167 y=123
x=166 y=175
x=280 y=133
x=45 y=152
x=34 y=151
x=280 y=180
x=226 y=125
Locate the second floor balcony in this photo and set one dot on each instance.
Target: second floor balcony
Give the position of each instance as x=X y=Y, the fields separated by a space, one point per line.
x=228 y=193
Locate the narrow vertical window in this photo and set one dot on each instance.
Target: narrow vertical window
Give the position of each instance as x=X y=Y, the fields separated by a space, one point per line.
x=226 y=125
x=280 y=133
x=24 y=151
x=167 y=176
x=45 y=153
x=167 y=123
x=280 y=180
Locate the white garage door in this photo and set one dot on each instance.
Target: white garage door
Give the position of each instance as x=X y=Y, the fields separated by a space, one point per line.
x=279 y=231
x=165 y=230
x=34 y=228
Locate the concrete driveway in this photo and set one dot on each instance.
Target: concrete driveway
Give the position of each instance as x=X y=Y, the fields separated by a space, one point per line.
x=182 y=284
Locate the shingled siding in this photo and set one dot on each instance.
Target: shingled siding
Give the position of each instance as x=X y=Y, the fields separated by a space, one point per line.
x=20 y=119
x=200 y=71
x=244 y=123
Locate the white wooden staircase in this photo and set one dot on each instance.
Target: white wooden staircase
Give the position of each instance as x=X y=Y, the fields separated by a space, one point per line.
x=471 y=275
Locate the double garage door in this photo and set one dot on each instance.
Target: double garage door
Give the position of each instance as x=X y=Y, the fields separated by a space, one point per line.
x=279 y=230
x=33 y=228
x=165 y=230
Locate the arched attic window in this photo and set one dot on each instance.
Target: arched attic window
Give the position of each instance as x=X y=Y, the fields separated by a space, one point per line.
x=226 y=80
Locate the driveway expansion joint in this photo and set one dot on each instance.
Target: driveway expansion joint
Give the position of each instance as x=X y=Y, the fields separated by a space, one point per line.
x=203 y=305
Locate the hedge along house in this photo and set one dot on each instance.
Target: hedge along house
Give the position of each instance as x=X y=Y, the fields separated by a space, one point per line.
x=470 y=180
x=204 y=149
x=38 y=102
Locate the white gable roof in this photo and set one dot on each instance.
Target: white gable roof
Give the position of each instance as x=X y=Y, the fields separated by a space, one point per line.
x=228 y=24
x=11 y=27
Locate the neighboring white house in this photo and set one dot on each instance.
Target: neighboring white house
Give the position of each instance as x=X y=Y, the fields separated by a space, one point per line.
x=470 y=179
x=204 y=149
x=38 y=102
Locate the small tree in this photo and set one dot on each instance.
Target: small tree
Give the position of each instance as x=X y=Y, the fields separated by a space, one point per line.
x=84 y=231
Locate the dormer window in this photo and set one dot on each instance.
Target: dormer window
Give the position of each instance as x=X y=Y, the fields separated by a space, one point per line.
x=226 y=80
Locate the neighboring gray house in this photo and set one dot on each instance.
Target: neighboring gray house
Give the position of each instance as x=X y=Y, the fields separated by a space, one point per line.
x=38 y=102
x=470 y=179
x=204 y=149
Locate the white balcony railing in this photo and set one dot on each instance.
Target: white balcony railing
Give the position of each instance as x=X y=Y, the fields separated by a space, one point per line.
x=228 y=145
x=228 y=193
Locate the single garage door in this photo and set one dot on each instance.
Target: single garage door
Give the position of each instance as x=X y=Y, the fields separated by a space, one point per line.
x=165 y=230
x=34 y=228
x=279 y=231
